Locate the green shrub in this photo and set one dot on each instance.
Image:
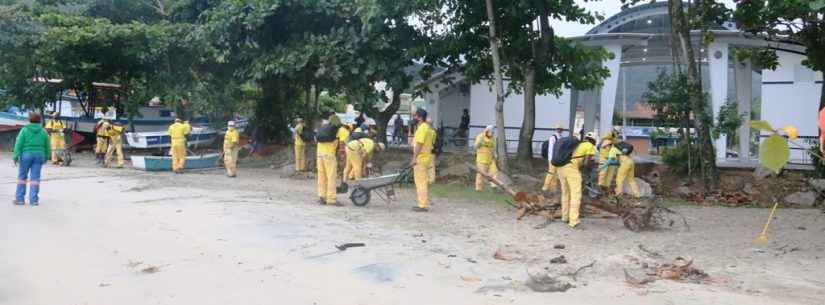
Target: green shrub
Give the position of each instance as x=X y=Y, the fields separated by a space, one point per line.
x=682 y=160
x=819 y=167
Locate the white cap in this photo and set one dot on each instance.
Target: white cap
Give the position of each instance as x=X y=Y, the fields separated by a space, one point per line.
x=489 y=127
x=230 y=124
x=590 y=134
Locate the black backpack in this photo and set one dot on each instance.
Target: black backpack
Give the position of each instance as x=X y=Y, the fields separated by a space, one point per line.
x=563 y=151
x=307 y=135
x=357 y=136
x=545 y=148
x=625 y=148
x=327 y=133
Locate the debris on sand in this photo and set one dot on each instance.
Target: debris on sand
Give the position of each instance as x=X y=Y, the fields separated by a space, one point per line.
x=680 y=269
x=470 y=278
x=551 y=281
x=346 y=246
x=558 y=246
x=500 y=256
x=151 y=270
x=650 y=253
x=558 y=260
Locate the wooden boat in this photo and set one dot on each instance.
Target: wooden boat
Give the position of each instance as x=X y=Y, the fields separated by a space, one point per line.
x=164 y=163
x=201 y=136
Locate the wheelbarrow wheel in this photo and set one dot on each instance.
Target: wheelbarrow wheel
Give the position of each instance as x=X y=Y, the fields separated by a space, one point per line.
x=360 y=197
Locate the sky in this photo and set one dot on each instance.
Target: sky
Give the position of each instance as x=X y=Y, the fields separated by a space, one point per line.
x=605 y=7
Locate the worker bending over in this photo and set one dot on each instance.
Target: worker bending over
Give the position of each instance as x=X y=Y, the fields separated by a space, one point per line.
x=570 y=175
x=485 y=145
x=178 y=132
x=422 y=159
x=627 y=169
x=300 y=146
x=551 y=181
x=342 y=136
x=115 y=133
x=55 y=129
x=231 y=147
x=359 y=154
x=326 y=163
x=607 y=170
x=102 y=145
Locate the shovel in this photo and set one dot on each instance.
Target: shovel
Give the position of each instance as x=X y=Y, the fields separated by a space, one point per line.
x=763 y=237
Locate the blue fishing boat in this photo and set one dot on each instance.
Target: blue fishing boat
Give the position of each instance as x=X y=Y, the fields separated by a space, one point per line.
x=164 y=163
x=200 y=136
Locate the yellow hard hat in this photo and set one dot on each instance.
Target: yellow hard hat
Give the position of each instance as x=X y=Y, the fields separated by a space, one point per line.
x=608 y=135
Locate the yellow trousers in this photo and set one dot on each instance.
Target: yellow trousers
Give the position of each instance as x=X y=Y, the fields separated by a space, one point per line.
x=571 y=193
x=300 y=158
x=327 y=173
x=58 y=143
x=355 y=166
x=115 y=148
x=421 y=175
x=551 y=181
x=178 y=156
x=490 y=168
x=606 y=176
x=102 y=145
x=230 y=160
x=627 y=173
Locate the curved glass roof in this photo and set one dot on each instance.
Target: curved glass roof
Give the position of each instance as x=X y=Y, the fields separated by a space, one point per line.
x=651 y=18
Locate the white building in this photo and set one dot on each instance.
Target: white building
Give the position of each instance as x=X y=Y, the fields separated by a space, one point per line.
x=639 y=38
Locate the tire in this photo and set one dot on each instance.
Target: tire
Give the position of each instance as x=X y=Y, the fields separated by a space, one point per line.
x=360 y=197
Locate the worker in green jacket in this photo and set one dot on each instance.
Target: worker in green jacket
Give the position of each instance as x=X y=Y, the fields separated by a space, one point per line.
x=30 y=151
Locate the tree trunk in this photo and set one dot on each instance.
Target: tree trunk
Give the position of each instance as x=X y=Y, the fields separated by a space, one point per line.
x=702 y=118
x=501 y=137
x=528 y=124
x=383 y=118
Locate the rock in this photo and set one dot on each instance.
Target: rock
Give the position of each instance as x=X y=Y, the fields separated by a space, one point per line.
x=762 y=172
x=804 y=199
x=559 y=260
x=645 y=190
x=750 y=189
x=682 y=191
x=558 y=246
x=654 y=177
x=817 y=184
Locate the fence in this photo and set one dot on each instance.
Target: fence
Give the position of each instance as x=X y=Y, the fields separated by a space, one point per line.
x=800 y=155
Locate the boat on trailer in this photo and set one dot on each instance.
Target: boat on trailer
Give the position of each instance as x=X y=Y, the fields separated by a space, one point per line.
x=164 y=163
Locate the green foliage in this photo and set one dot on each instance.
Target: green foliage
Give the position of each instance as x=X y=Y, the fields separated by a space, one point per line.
x=668 y=95
x=774 y=153
x=761 y=125
x=816 y=160
x=682 y=159
x=728 y=121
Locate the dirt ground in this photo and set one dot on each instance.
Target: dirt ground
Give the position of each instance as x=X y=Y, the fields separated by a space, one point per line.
x=129 y=237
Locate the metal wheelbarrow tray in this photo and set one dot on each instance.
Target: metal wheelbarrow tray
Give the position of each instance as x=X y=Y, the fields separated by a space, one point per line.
x=384 y=186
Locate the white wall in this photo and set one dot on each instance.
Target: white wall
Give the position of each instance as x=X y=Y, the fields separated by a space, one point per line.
x=550 y=110
x=795 y=103
x=451 y=106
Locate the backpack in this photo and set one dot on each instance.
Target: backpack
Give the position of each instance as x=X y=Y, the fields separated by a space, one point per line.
x=545 y=148
x=307 y=135
x=327 y=134
x=357 y=136
x=563 y=151
x=625 y=148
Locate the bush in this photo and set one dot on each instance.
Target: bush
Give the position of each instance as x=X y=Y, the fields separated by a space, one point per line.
x=682 y=161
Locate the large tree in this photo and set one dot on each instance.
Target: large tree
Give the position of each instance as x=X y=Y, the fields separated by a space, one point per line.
x=533 y=58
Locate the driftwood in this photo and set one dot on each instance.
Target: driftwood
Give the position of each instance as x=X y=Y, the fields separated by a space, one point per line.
x=637 y=214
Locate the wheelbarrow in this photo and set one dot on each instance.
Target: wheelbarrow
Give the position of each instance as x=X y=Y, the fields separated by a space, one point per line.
x=384 y=186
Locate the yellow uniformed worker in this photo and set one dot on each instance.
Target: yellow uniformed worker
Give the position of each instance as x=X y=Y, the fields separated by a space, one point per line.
x=102 y=144
x=485 y=145
x=58 y=142
x=350 y=156
x=551 y=181
x=359 y=153
x=327 y=164
x=231 y=147
x=421 y=160
x=300 y=146
x=626 y=173
x=178 y=132
x=115 y=133
x=607 y=170
x=342 y=136
x=570 y=177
